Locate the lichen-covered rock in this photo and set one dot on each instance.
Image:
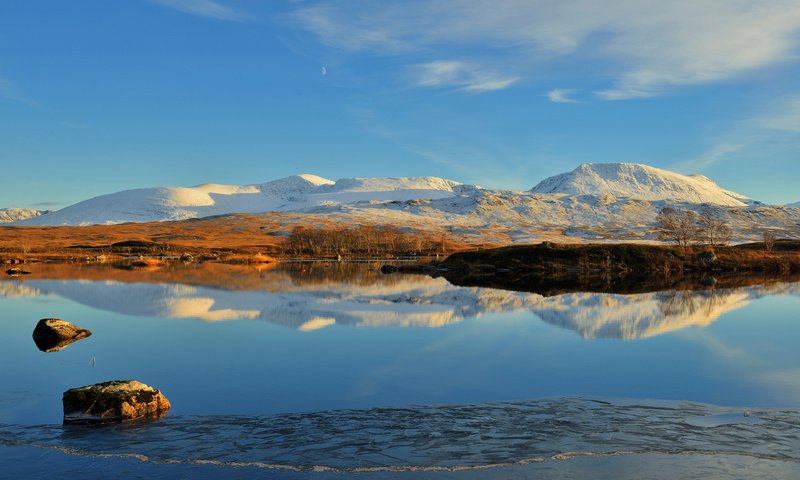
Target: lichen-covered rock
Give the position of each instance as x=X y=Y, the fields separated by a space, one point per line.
x=53 y=334
x=115 y=401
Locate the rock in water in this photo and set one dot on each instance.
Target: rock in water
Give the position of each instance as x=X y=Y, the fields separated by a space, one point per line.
x=52 y=334
x=114 y=401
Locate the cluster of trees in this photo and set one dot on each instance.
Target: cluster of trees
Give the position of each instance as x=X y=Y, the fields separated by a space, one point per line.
x=685 y=227
x=361 y=240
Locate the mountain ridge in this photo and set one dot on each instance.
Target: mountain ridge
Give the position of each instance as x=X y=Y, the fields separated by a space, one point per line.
x=594 y=202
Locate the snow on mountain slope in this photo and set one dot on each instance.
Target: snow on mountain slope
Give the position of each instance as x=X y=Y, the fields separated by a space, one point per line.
x=593 y=202
x=8 y=215
x=295 y=193
x=641 y=182
x=397 y=189
x=294 y=185
x=391 y=184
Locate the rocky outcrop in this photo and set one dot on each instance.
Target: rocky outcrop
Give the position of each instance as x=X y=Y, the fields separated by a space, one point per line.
x=53 y=334
x=114 y=401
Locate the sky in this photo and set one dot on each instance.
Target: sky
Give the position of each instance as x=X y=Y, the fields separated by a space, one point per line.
x=99 y=96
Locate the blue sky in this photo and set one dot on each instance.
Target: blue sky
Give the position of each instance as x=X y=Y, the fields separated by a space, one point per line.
x=99 y=96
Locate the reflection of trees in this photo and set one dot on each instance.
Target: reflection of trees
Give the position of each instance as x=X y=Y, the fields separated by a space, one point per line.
x=353 y=273
x=688 y=302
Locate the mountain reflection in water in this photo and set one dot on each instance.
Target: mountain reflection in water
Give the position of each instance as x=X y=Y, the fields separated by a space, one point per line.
x=309 y=298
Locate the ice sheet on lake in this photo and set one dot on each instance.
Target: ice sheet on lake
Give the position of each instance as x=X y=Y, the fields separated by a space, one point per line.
x=436 y=438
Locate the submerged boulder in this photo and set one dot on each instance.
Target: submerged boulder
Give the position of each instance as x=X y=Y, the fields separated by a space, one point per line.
x=53 y=334
x=114 y=401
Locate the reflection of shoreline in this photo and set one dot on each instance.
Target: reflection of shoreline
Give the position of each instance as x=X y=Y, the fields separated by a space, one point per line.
x=370 y=299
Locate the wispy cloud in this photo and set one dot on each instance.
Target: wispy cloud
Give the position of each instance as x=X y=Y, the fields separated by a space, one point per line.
x=470 y=166
x=784 y=116
x=205 y=8
x=647 y=47
x=465 y=76
x=9 y=91
x=709 y=158
x=560 y=95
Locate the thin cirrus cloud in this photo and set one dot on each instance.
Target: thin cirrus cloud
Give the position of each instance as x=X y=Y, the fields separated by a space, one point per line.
x=716 y=154
x=646 y=47
x=785 y=116
x=205 y=8
x=561 y=95
x=464 y=76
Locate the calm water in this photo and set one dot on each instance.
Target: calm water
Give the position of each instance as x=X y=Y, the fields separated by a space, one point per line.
x=316 y=371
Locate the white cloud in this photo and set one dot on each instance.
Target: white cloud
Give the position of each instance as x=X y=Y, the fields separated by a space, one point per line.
x=205 y=8
x=462 y=75
x=648 y=47
x=560 y=95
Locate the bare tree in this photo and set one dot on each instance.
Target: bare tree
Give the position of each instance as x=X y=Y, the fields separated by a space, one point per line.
x=769 y=240
x=679 y=226
x=713 y=231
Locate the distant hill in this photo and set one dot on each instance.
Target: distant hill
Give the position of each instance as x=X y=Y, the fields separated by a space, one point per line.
x=8 y=215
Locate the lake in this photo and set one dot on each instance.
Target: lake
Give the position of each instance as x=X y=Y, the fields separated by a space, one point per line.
x=324 y=370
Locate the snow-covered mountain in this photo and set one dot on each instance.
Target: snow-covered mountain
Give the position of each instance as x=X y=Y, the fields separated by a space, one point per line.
x=641 y=182
x=8 y=215
x=295 y=193
x=593 y=202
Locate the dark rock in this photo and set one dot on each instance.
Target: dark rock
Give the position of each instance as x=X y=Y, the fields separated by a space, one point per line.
x=708 y=281
x=52 y=334
x=708 y=257
x=389 y=269
x=111 y=402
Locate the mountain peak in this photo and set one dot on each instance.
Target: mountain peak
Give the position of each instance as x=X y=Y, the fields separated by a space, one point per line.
x=642 y=182
x=300 y=183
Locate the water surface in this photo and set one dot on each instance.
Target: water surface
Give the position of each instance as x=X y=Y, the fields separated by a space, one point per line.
x=337 y=368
